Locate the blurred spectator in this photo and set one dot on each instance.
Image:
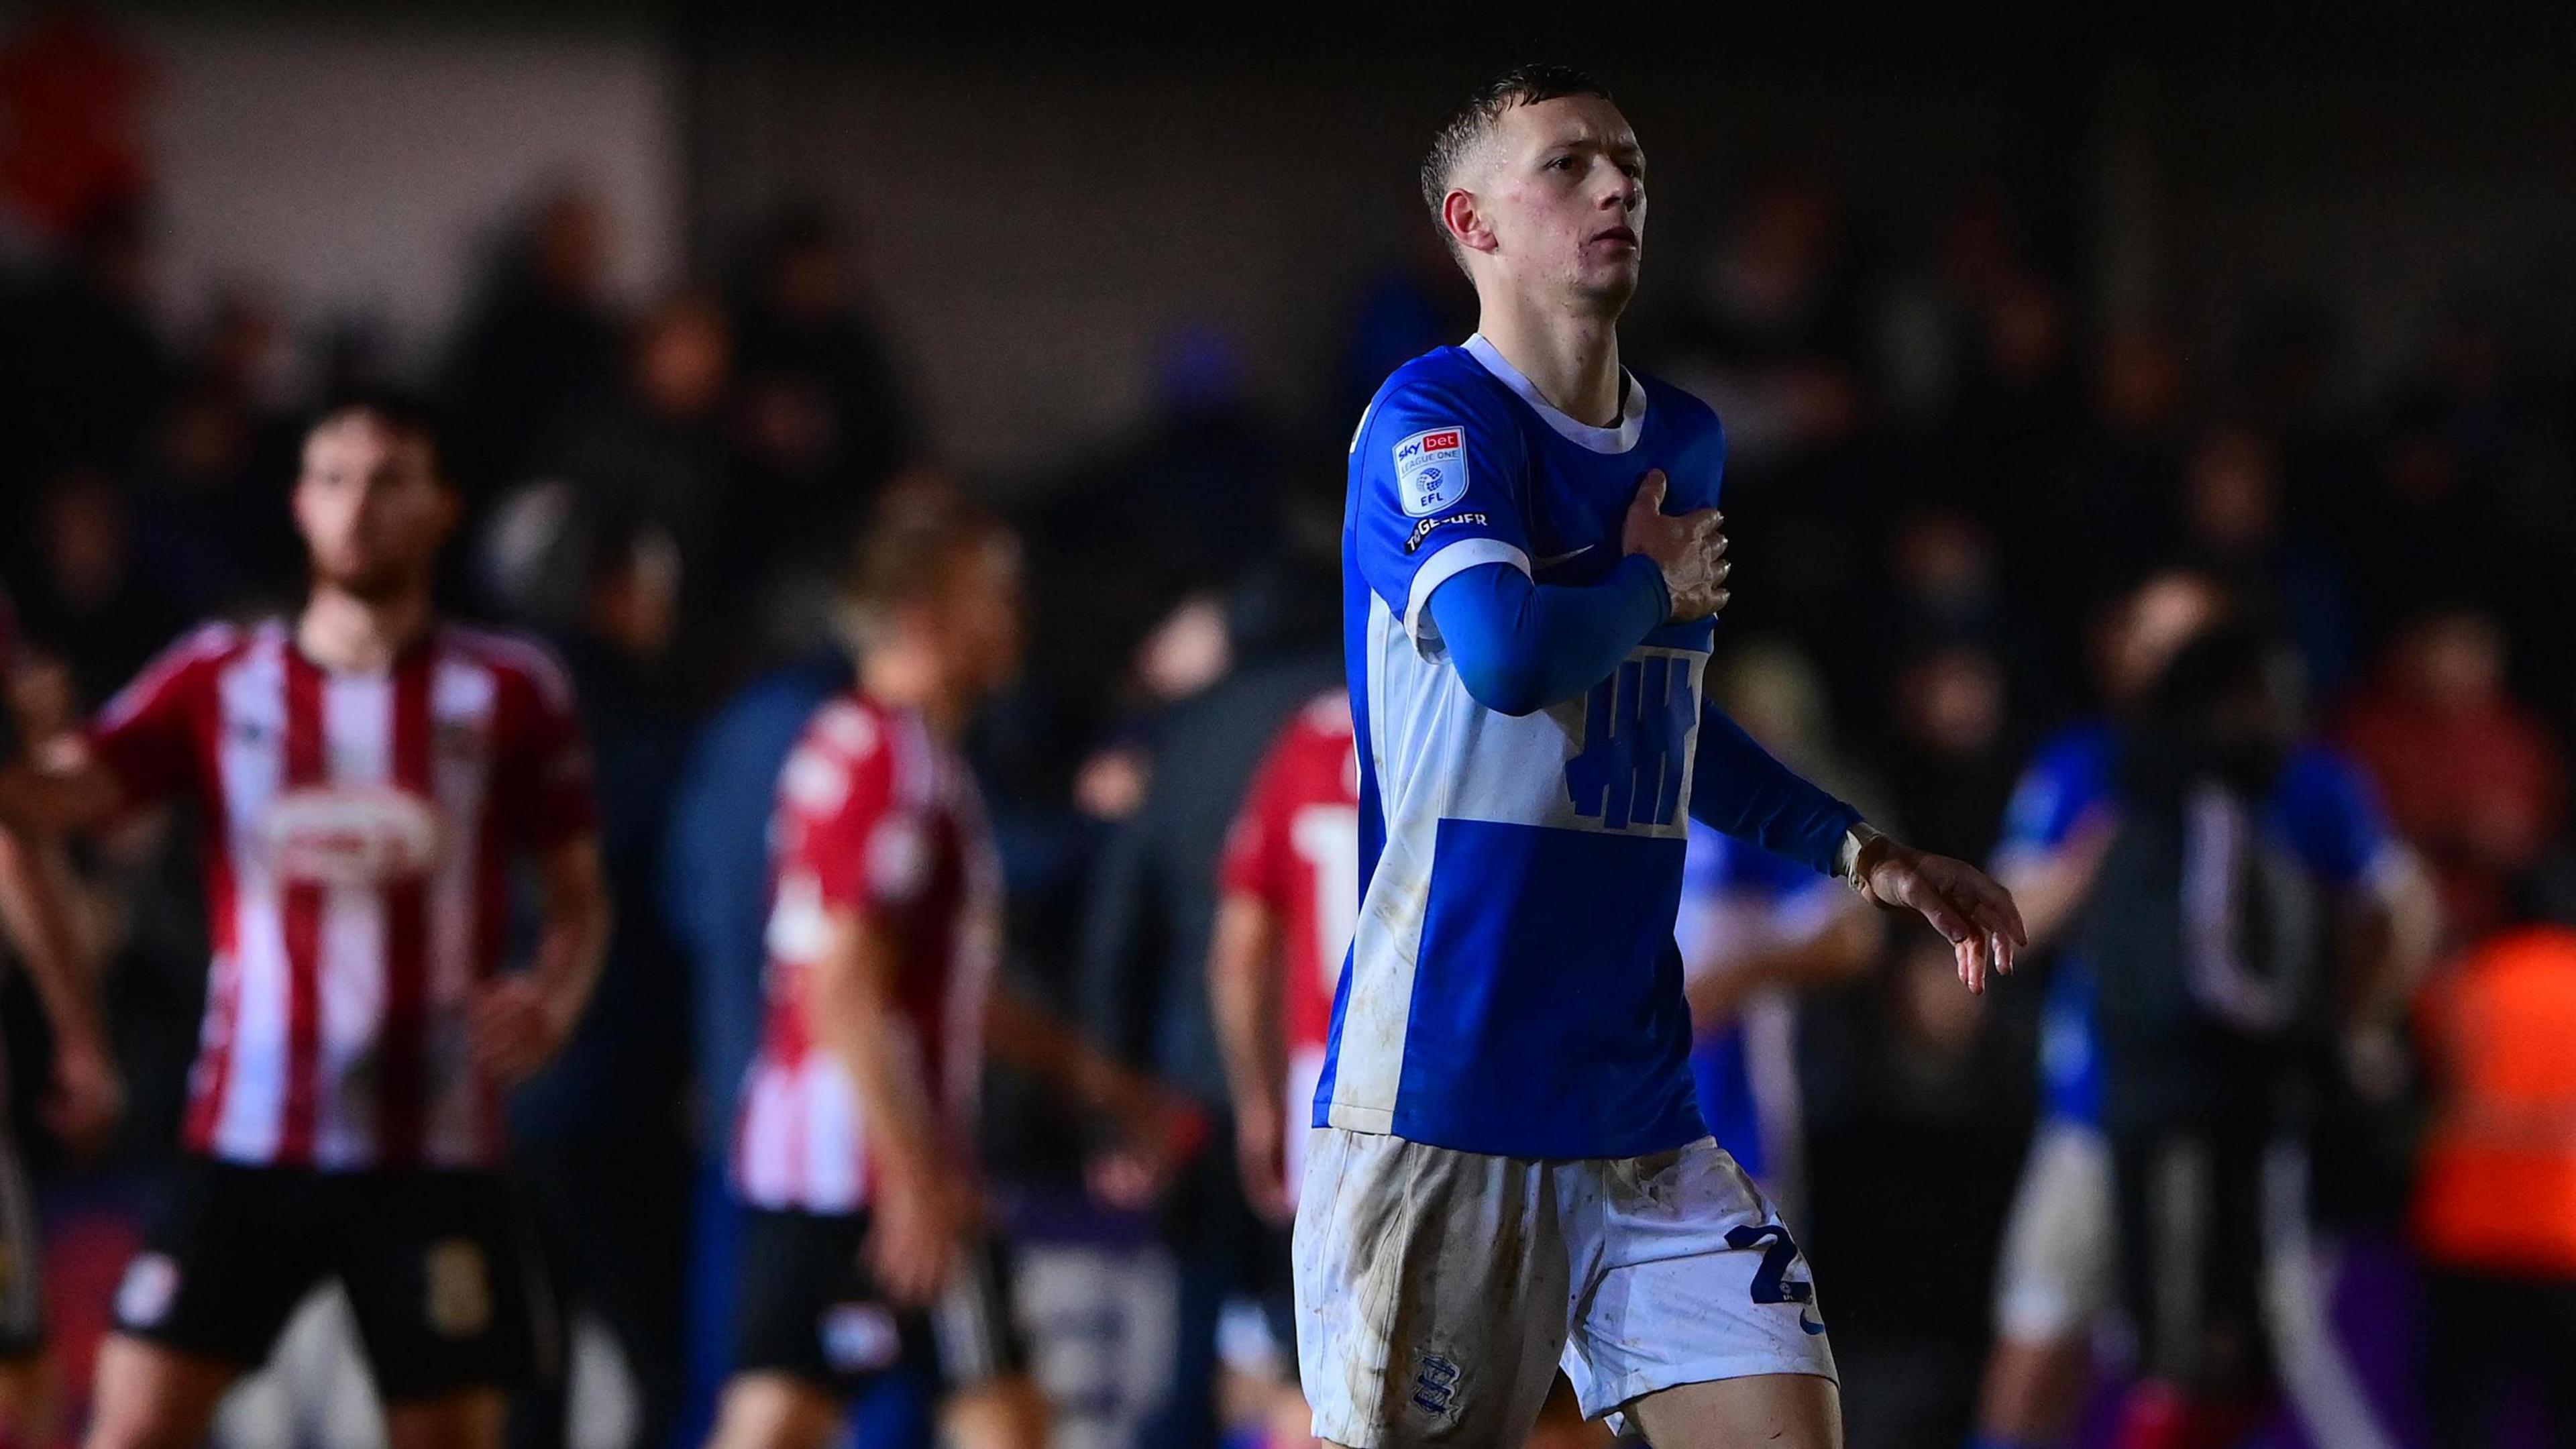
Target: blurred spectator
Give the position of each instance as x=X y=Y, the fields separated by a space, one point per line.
x=2235 y=530
x=1201 y=499
x=1405 y=310
x=1948 y=588
x=1775 y=691
x=658 y=448
x=82 y=369
x=2495 y=1206
x=2470 y=775
x=539 y=343
x=1952 y=764
x=1768 y=335
x=2098 y=511
x=824 y=418
x=1144 y=981
x=600 y=1138
x=212 y=521
x=84 y=588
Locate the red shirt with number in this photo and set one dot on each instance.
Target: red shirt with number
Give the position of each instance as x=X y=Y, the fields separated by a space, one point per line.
x=1295 y=847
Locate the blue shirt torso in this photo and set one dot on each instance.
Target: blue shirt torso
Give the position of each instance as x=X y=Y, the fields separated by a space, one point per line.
x=1513 y=986
x=2321 y=808
x=1721 y=868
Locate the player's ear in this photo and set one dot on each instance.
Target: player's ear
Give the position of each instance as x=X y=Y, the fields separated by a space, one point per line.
x=1465 y=221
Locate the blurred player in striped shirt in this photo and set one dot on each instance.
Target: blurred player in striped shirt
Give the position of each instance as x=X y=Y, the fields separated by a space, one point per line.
x=370 y=777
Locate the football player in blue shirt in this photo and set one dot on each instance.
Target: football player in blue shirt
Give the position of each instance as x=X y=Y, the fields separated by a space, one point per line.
x=1509 y=1168
x=2058 y=1270
x=1755 y=929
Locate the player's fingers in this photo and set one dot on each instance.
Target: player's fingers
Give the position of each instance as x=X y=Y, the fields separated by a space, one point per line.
x=1970 y=956
x=1945 y=918
x=1725 y=567
x=1717 y=605
x=1650 y=492
x=1995 y=905
x=1992 y=916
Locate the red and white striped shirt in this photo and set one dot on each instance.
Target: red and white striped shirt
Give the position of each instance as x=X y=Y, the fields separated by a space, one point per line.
x=877 y=817
x=360 y=830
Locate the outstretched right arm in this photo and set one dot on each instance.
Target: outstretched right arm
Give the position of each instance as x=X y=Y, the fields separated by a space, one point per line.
x=38 y=802
x=145 y=744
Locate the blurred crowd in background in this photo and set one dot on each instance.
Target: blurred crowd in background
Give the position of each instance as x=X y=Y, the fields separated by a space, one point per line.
x=1943 y=468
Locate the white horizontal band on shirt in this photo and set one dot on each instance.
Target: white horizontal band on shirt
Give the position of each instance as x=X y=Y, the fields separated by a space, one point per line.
x=1447 y=564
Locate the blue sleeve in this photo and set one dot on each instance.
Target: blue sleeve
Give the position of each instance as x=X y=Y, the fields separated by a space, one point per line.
x=2331 y=815
x=1717 y=864
x=2066 y=780
x=1738 y=788
x=1437 y=479
x=1520 y=647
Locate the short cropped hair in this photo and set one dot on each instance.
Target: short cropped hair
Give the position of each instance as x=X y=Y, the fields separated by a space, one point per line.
x=404 y=414
x=1522 y=85
x=915 y=534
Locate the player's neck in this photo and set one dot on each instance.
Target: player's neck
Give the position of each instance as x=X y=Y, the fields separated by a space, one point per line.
x=347 y=634
x=906 y=679
x=1571 y=358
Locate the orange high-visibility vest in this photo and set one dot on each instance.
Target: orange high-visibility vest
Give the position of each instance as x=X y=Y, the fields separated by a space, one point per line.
x=2496 y=1189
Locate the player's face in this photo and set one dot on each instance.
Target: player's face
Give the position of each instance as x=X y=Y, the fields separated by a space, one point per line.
x=1565 y=194
x=2163 y=616
x=979 y=615
x=371 y=507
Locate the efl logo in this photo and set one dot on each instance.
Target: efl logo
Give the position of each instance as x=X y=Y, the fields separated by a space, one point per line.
x=1431 y=470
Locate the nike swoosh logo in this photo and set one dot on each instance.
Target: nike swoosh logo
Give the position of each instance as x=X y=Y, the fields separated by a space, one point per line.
x=1554 y=559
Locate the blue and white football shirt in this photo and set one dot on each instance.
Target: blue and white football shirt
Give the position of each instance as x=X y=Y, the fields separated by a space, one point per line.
x=1513 y=987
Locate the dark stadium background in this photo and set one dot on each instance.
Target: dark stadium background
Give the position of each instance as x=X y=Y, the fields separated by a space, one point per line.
x=2002 y=306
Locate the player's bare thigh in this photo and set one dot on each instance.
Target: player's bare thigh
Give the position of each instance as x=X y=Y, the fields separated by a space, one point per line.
x=27 y=1400
x=774 y=1411
x=459 y=1419
x=151 y=1397
x=1789 y=1411
x=1000 y=1413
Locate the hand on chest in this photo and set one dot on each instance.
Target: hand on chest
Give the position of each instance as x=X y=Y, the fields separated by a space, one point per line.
x=1577 y=504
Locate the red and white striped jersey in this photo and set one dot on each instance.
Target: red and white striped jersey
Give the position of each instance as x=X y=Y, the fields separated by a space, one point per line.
x=359 y=834
x=1295 y=847
x=877 y=817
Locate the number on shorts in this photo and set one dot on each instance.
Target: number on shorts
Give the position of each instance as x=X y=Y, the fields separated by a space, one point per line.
x=1770 y=1283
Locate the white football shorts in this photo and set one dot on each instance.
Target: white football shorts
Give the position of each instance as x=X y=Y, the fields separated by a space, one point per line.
x=2058 y=1269
x=1439 y=1291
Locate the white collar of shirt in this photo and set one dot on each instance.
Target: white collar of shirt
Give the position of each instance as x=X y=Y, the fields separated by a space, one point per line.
x=1632 y=415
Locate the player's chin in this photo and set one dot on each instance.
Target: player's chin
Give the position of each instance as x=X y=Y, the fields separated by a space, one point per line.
x=369 y=577
x=1608 y=266
x=1609 y=288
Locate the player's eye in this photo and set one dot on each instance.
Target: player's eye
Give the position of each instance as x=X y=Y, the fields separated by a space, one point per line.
x=1632 y=170
x=1561 y=163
